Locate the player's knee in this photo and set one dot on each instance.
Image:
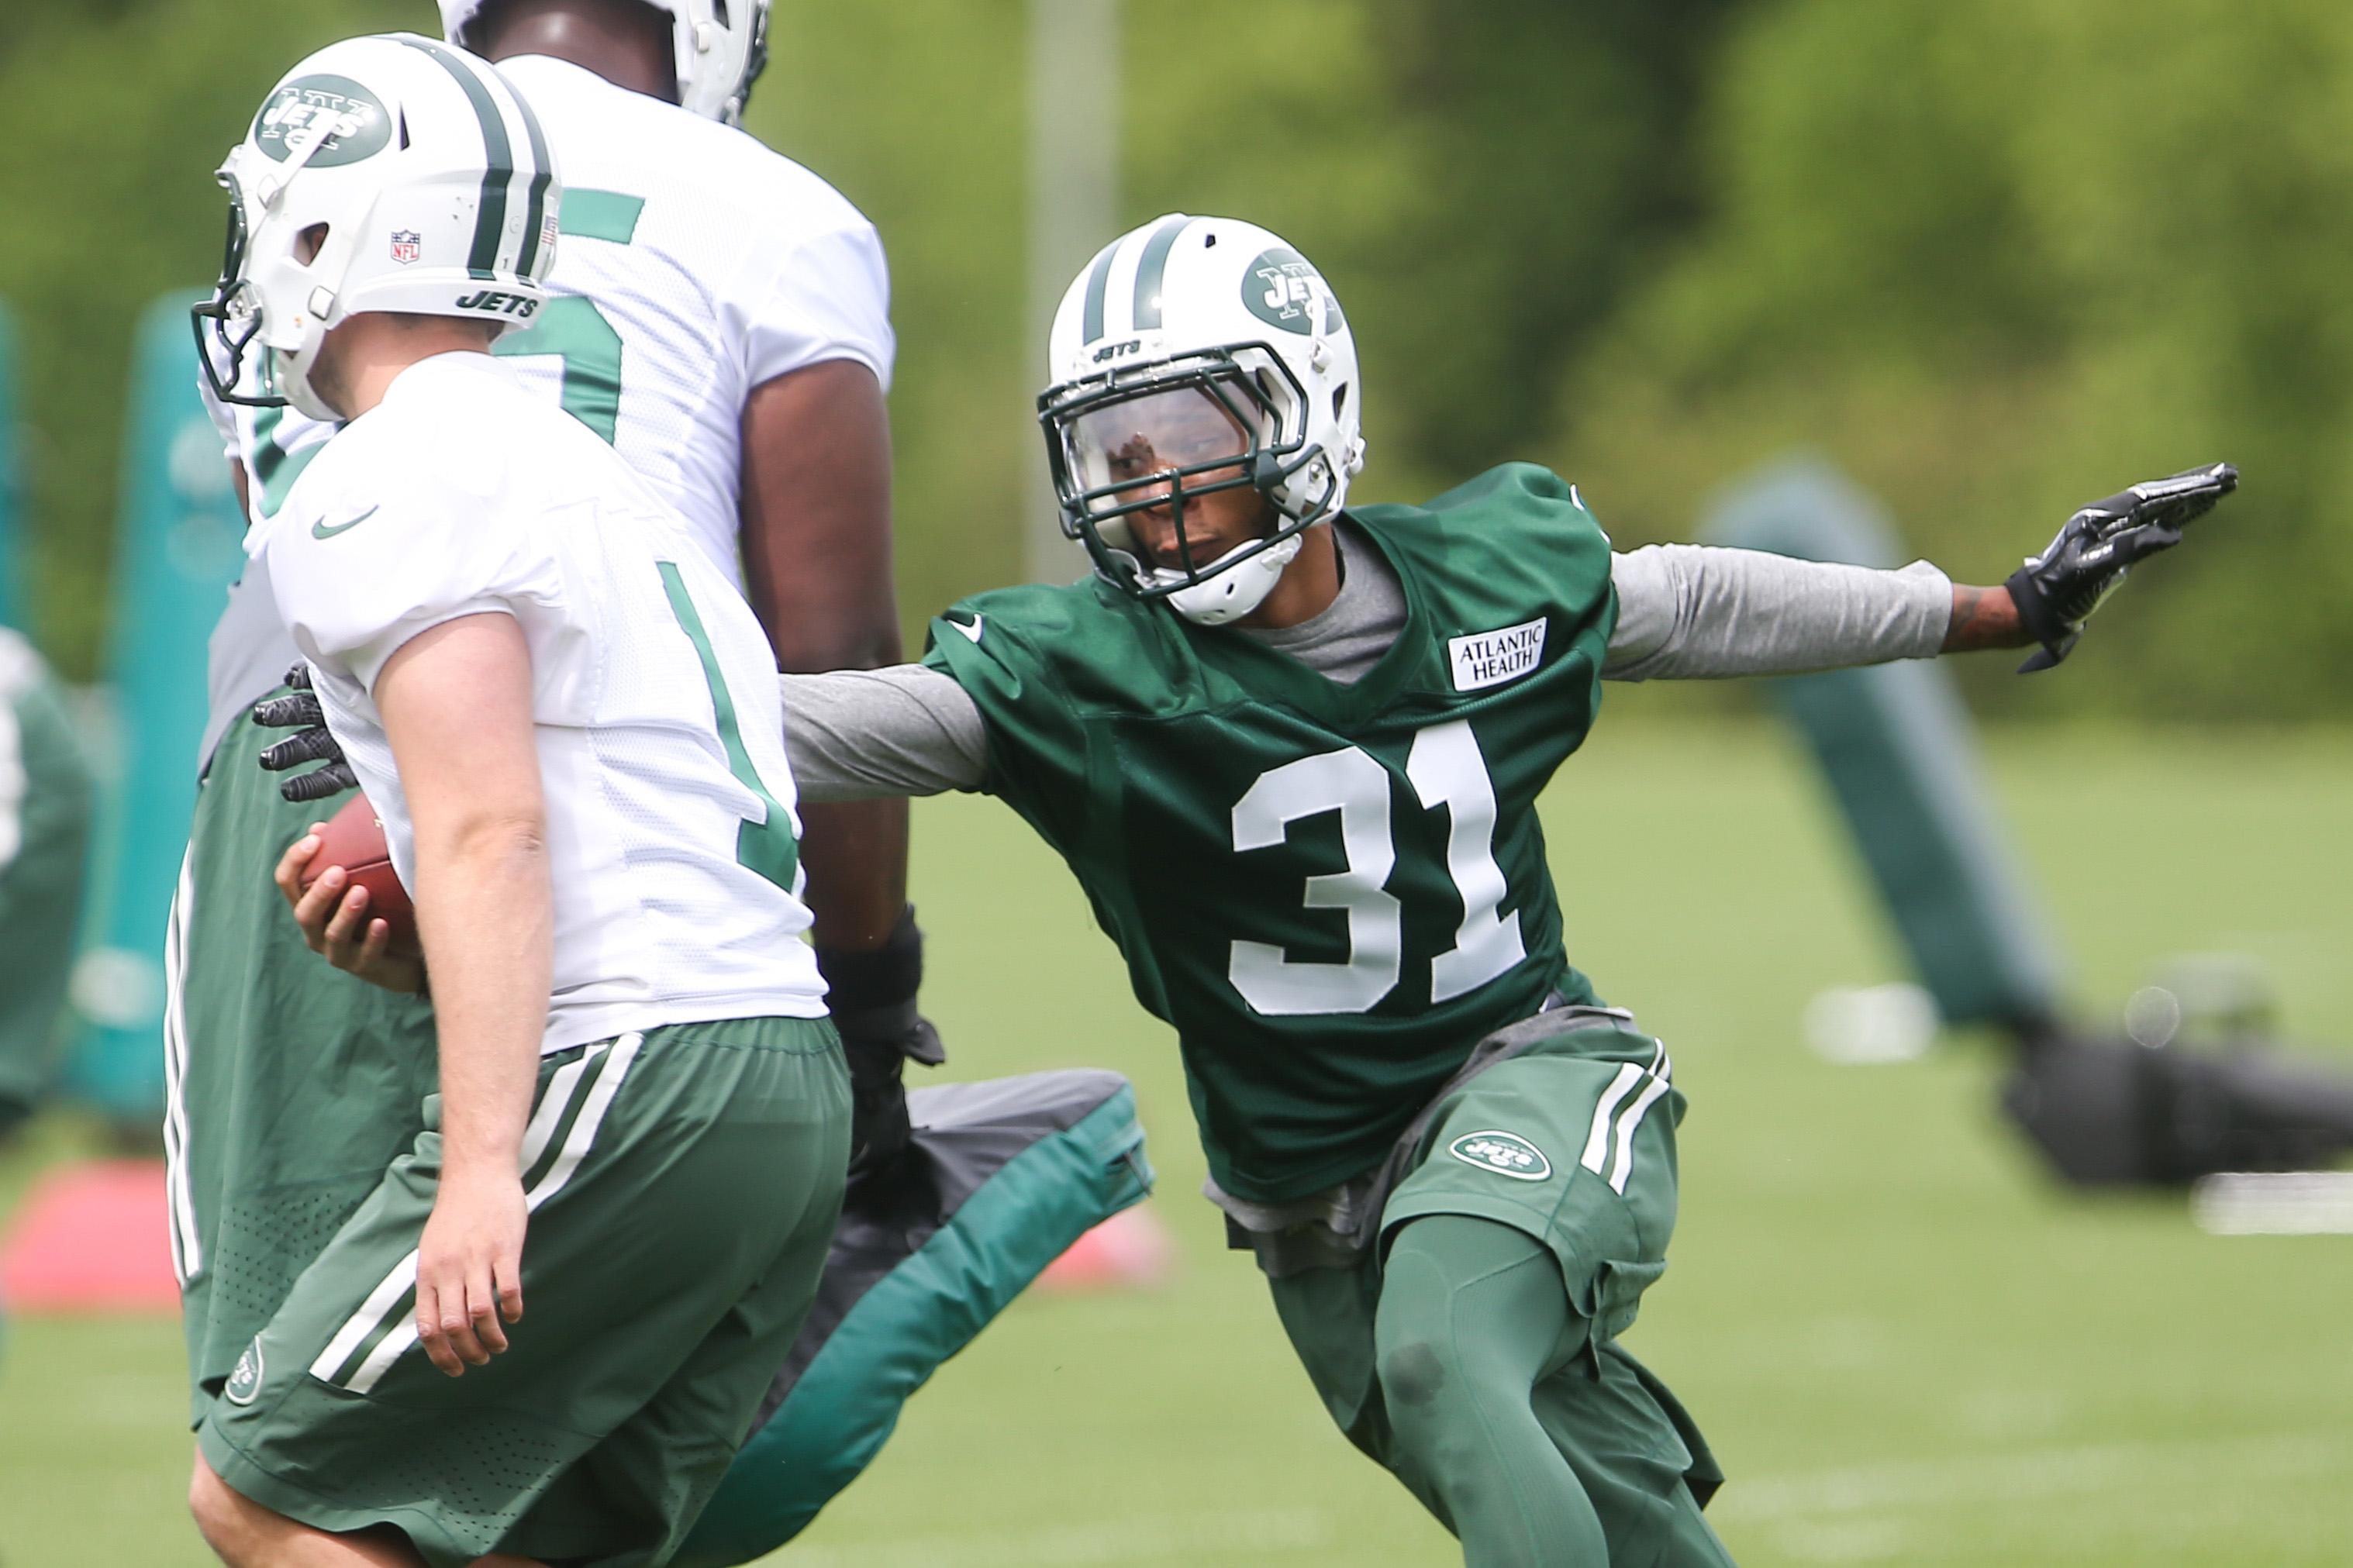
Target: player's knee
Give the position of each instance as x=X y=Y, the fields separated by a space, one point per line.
x=1434 y=1410
x=242 y=1532
x=1414 y=1374
x=220 y=1515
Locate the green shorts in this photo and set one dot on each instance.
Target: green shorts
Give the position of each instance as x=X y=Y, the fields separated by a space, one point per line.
x=684 y=1185
x=290 y=1086
x=1573 y=1142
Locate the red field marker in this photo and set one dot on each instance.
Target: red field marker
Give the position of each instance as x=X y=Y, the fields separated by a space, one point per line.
x=91 y=1239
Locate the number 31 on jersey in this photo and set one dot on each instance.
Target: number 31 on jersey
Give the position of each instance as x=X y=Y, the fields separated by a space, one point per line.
x=1445 y=769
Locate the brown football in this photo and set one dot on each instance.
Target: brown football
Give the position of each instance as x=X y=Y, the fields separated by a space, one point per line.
x=353 y=840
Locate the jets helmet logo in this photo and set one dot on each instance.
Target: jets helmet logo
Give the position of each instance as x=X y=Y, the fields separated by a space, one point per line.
x=245 y=1381
x=1505 y=1153
x=1284 y=290
x=408 y=244
x=338 y=113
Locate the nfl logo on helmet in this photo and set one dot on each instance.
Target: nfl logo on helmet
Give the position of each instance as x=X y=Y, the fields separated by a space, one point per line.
x=406 y=245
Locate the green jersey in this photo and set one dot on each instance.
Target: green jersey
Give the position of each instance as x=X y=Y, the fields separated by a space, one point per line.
x=1331 y=891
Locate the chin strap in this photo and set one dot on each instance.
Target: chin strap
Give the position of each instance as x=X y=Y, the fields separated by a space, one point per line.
x=1231 y=591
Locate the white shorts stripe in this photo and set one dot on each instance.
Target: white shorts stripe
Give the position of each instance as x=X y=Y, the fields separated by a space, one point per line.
x=576 y=1144
x=551 y=1106
x=364 y=1322
x=592 y=1115
x=1622 y=1166
x=187 y=1249
x=389 y=1349
x=1597 y=1142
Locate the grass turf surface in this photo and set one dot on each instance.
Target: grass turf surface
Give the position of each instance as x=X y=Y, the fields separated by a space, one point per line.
x=1905 y=1345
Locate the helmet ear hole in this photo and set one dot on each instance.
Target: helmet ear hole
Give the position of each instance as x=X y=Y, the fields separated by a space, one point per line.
x=1340 y=400
x=310 y=242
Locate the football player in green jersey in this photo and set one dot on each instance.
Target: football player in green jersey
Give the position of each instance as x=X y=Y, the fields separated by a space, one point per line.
x=1291 y=750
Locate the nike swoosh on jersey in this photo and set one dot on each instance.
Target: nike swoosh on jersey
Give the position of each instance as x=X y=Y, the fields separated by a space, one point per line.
x=973 y=630
x=321 y=530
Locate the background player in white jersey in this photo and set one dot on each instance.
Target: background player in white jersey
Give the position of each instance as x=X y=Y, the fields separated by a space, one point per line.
x=722 y=318
x=727 y=332
x=539 y=679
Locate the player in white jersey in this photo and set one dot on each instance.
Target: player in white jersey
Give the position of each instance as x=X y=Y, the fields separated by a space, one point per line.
x=742 y=306
x=725 y=327
x=539 y=678
x=671 y=844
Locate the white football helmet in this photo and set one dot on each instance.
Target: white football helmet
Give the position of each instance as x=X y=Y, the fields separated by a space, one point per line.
x=722 y=47
x=435 y=186
x=1196 y=354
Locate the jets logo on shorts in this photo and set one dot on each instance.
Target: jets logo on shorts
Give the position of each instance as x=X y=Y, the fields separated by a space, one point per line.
x=244 y=1382
x=1505 y=1153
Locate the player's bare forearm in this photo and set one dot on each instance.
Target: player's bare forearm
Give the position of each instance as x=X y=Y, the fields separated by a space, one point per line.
x=1984 y=618
x=457 y=708
x=817 y=568
x=856 y=853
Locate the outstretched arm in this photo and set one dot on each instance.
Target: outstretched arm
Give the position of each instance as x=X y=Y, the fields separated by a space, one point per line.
x=860 y=734
x=1689 y=612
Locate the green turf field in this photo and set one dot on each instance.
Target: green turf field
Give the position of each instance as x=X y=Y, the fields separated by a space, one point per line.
x=1906 y=1347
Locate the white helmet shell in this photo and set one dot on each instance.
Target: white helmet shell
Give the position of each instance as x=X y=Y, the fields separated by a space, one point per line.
x=1160 y=304
x=722 y=46
x=436 y=187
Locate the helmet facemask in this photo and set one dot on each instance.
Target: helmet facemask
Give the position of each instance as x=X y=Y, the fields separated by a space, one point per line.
x=1161 y=438
x=270 y=294
x=234 y=313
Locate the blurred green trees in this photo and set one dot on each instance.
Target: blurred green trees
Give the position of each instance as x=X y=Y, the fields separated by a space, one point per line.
x=1998 y=259
x=1994 y=260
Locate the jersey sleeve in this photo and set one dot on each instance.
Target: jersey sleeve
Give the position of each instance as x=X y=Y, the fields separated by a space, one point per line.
x=996 y=647
x=1698 y=612
x=357 y=576
x=854 y=734
x=826 y=298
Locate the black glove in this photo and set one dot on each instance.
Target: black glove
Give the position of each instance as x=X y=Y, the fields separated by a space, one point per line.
x=310 y=744
x=2057 y=591
x=872 y=997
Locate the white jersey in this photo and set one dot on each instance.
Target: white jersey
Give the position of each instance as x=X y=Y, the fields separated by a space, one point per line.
x=695 y=265
x=672 y=838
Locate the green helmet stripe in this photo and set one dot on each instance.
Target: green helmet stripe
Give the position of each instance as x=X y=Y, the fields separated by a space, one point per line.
x=1098 y=285
x=1150 y=271
x=498 y=151
x=535 y=216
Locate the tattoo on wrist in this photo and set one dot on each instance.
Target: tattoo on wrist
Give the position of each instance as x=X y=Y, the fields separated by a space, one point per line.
x=1983 y=618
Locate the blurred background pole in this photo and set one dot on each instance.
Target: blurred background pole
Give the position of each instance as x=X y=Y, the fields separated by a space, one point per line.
x=1074 y=72
x=1899 y=753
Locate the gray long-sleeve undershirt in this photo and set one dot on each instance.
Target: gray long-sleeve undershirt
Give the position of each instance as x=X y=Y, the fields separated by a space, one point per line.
x=1684 y=612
